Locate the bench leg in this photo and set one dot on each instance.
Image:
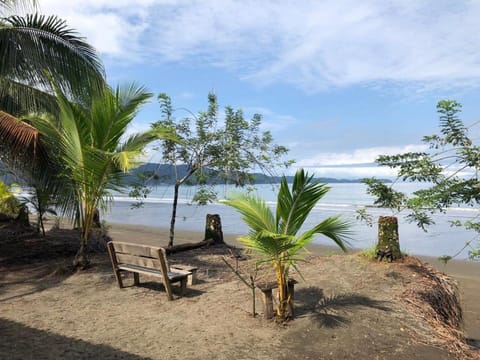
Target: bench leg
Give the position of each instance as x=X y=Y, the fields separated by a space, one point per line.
x=113 y=259
x=267 y=300
x=136 y=278
x=192 y=278
x=183 y=286
x=168 y=289
x=119 y=278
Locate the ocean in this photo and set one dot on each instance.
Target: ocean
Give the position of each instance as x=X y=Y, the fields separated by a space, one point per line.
x=343 y=198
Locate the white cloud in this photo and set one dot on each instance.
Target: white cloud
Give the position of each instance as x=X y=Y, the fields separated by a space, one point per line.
x=350 y=172
x=358 y=156
x=271 y=120
x=312 y=44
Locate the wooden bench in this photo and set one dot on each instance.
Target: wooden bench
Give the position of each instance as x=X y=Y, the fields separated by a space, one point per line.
x=147 y=260
x=267 y=297
x=192 y=278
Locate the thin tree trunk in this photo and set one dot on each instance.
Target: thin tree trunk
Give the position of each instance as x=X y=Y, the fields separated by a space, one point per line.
x=175 y=203
x=174 y=214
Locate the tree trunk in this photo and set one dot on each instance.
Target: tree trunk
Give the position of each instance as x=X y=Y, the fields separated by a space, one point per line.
x=174 y=214
x=213 y=228
x=388 y=236
x=81 y=258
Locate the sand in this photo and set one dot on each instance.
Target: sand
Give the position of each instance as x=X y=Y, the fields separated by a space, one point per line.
x=346 y=308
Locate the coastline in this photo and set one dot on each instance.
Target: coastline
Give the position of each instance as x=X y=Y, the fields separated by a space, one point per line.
x=466 y=272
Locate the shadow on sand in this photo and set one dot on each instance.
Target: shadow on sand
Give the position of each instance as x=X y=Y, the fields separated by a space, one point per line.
x=22 y=342
x=331 y=311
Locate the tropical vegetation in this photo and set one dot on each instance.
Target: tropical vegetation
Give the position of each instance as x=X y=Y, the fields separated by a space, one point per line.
x=89 y=148
x=34 y=50
x=211 y=148
x=449 y=169
x=275 y=238
x=9 y=204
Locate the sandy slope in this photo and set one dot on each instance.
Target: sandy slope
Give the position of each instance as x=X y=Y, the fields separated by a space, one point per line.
x=347 y=308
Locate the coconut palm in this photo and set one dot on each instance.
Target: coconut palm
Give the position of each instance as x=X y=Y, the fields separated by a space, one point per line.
x=275 y=238
x=33 y=50
x=88 y=144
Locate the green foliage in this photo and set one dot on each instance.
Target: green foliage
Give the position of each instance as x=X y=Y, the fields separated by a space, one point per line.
x=43 y=202
x=370 y=253
x=9 y=205
x=452 y=166
x=36 y=48
x=274 y=237
x=87 y=141
x=364 y=216
x=385 y=196
x=205 y=195
x=230 y=148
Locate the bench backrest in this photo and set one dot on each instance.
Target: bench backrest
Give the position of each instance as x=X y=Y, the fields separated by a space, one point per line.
x=150 y=257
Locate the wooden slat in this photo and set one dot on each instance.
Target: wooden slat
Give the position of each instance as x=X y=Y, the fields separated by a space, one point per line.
x=140 y=270
x=136 y=249
x=139 y=261
x=176 y=276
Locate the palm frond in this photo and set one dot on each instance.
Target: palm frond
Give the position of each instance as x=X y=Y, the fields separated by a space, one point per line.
x=255 y=212
x=19 y=99
x=334 y=228
x=35 y=45
x=293 y=208
x=17 y=134
x=12 y=6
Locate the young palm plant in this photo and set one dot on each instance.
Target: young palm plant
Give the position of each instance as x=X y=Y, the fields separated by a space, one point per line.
x=87 y=142
x=275 y=237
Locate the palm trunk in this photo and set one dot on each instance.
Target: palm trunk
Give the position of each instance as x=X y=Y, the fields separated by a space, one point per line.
x=81 y=258
x=283 y=297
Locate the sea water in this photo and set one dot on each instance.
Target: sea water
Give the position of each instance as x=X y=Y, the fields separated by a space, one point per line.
x=342 y=199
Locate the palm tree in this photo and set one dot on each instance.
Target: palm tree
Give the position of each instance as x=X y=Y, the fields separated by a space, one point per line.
x=274 y=237
x=34 y=49
x=87 y=142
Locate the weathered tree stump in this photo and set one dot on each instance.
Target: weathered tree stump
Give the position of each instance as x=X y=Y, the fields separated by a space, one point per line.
x=213 y=228
x=388 y=240
x=22 y=218
x=96 y=218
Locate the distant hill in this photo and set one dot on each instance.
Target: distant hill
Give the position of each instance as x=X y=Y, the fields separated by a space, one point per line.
x=165 y=174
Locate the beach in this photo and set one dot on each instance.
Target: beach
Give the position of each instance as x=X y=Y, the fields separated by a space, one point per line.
x=466 y=272
x=347 y=307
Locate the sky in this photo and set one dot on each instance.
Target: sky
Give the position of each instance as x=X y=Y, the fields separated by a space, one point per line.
x=337 y=82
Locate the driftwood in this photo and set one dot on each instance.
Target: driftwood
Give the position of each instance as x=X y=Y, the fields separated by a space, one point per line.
x=189 y=246
x=213 y=235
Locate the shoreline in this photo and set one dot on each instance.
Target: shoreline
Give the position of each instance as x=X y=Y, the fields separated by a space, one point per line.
x=467 y=273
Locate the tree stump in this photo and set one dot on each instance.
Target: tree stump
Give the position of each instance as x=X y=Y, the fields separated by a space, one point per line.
x=213 y=228
x=22 y=218
x=388 y=236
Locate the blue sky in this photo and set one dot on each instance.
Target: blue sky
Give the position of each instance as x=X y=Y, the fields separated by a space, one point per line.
x=338 y=82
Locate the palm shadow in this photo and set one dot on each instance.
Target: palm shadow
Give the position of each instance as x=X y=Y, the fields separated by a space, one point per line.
x=332 y=311
x=19 y=341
